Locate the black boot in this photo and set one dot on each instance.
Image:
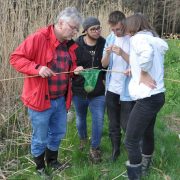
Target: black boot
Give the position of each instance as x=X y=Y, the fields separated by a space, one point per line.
x=115 y=148
x=146 y=161
x=51 y=159
x=40 y=164
x=133 y=171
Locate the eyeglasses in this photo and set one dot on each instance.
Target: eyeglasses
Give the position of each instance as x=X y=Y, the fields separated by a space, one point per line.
x=74 y=28
x=96 y=29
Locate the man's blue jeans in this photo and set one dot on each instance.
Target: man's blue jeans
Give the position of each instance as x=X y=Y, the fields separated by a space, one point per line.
x=97 y=107
x=48 y=126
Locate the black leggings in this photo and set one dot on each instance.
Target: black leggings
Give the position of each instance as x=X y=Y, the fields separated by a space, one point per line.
x=141 y=127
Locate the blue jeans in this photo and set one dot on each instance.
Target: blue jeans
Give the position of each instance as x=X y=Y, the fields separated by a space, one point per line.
x=141 y=127
x=97 y=107
x=48 y=126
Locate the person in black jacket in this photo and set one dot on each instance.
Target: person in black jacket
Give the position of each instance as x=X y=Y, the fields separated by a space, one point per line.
x=89 y=54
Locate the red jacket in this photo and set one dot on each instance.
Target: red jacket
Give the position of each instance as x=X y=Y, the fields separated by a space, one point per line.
x=37 y=50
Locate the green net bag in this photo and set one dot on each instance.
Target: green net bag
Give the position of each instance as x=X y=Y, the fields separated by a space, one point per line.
x=90 y=77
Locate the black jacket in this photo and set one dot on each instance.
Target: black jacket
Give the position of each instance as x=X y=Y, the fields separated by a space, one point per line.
x=85 y=59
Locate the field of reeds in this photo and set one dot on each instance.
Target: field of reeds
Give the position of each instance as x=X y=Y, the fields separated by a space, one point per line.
x=22 y=17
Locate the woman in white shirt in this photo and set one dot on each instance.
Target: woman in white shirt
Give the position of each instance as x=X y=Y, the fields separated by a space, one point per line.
x=147 y=88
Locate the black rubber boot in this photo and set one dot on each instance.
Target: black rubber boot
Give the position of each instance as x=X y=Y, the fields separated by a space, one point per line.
x=133 y=171
x=115 y=148
x=40 y=164
x=146 y=162
x=51 y=159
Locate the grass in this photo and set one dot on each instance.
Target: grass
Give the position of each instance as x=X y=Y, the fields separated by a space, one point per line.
x=165 y=163
x=16 y=162
x=172 y=71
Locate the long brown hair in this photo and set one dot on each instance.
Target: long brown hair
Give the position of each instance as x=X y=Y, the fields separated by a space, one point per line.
x=138 y=22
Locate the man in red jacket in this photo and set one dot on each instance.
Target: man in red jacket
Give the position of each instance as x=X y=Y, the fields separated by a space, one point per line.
x=47 y=53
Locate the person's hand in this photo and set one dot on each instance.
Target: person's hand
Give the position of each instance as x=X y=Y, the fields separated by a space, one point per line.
x=46 y=72
x=78 y=70
x=108 y=50
x=117 y=50
x=127 y=72
x=146 y=79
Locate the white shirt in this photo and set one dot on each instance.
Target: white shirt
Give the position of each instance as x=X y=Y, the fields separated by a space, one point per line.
x=119 y=64
x=147 y=54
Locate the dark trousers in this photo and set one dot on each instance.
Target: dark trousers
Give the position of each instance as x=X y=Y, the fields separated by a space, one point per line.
x=141 y=127
x=118 y=114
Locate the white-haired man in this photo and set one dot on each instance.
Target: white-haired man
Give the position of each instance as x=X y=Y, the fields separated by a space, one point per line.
x=47 y=53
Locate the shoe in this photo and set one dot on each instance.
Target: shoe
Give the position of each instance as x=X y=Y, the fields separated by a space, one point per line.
x=51 y=159
x=95 y=155
x=56 y=165
x=82 y=144
x=146 y=162
x=133 y=171
x=39 y=161
x=52 y=162
x=115 y=148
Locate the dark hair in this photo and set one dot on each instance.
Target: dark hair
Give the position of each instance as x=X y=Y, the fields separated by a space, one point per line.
x=115 y=17
x=138 y=22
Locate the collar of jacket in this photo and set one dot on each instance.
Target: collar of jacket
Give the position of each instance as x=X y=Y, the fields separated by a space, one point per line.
x=48 y=32
x=80 y=40
x=50 y=35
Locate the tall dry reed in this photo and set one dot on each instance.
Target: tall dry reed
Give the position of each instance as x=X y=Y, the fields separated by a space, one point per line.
x=20 y=18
